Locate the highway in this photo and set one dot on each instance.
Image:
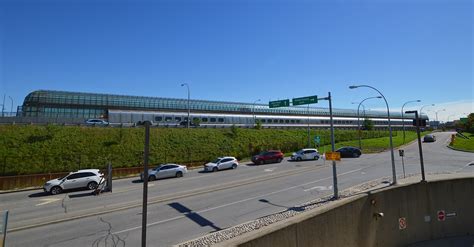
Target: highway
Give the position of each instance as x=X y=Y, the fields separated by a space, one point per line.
x=185 y=208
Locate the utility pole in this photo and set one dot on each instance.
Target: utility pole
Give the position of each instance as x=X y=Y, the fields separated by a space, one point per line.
x=145 y=179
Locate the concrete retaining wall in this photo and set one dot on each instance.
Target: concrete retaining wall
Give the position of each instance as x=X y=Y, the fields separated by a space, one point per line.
x=351 y=222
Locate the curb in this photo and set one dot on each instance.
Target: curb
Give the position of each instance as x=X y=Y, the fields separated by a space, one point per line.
x=460 y=150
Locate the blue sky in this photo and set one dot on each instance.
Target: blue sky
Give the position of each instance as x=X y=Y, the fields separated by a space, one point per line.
x=242 y=50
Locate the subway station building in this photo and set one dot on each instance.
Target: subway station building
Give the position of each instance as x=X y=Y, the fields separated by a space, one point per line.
x=75 y=107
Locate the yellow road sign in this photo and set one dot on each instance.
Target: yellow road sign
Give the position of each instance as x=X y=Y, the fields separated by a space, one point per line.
x=333 y=156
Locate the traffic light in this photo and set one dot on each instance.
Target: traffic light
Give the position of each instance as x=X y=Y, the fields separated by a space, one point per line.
x=422 y=122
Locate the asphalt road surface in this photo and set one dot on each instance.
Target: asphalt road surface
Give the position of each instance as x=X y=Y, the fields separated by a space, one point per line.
x=185 y=208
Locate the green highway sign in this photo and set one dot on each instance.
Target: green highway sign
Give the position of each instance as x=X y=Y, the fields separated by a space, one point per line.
x=463 y=120
x=279 y=103
x=317 y=140
x=305 y=100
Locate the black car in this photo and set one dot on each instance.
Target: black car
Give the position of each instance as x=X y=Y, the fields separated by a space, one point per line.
x=349 y=152
x=429 y=138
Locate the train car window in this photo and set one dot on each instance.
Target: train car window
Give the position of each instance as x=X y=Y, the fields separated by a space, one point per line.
x=281 y=120
x=262 y=120
x=177 y=119
x=167 y=119
x=220 y=120
x=287 y=121
x=292 y=121
x=158 y=119
x=298 y=121
x=213 y=120
x=204 y=119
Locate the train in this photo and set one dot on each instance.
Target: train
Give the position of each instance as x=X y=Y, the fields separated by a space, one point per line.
x=249 y=120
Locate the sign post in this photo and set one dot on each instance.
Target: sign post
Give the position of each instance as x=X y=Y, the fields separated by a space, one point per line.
x=3 y=228
x=417 y=120
x=401 y=152
x=317 y=140
x=312 y=100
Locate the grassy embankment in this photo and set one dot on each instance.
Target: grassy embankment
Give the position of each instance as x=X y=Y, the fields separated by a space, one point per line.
x=43 y=149
x=375 y=145
x=464 y=144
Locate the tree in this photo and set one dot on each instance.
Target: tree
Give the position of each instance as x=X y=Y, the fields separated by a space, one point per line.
x=258 y=124
x=196 y=122
x=368 y=124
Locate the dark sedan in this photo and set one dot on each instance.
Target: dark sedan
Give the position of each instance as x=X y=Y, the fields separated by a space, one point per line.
x=349 y=152
x=429 y=138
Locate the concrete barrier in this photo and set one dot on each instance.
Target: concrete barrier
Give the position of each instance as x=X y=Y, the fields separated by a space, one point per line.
x=412 y=212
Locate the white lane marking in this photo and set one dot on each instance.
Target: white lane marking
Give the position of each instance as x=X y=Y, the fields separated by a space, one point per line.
x=268 y=170
x=468 y=164
x=232 y=203
x=47 y=201
x=151 y=185
x=320 y=188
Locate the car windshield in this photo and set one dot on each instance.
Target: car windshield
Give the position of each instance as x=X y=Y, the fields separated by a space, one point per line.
x=216 y=161
x=263 y=153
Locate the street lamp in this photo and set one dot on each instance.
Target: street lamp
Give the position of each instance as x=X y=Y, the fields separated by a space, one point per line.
x=394 y=172
x=253 y=111
x=403 y=120
x=189 y=107
x=11 y=108
x=436 y=112
x=421 y=109
x=358 y=118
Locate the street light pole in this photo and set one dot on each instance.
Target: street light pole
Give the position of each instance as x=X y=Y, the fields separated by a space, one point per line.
x=421 y=109
x=403 y=119
x=189 y=106
x=253 y=111
x=358 y=117
x=11 y=108
x=437 y=122
x=394 y=172
x=3 y=105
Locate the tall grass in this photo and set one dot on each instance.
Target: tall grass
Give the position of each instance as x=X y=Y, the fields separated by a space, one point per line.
x=52 y=148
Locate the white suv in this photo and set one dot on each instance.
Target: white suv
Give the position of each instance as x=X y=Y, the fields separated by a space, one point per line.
x=221 y=163
x=89 y=178
x=306 y=154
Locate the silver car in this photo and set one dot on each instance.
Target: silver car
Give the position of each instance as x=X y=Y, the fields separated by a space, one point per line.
x=88 y=178
x=165 y=171
x=221 y=163
x=98 y=122
x=306 y=154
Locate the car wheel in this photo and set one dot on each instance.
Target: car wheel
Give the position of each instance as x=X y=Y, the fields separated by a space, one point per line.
x=179 y=174
x=152 y=178
x=214 y=169
x=234 y=166
x=260 y=162
x=279 y=160
x=56 y=190
x=355 y=155
x=298 y=159
x=316 y=157
x=92 y=185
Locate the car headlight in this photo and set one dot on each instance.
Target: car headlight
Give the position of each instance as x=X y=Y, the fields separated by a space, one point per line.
x=47 y=184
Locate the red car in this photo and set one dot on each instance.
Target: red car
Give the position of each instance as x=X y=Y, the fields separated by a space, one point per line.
x=270 y=156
